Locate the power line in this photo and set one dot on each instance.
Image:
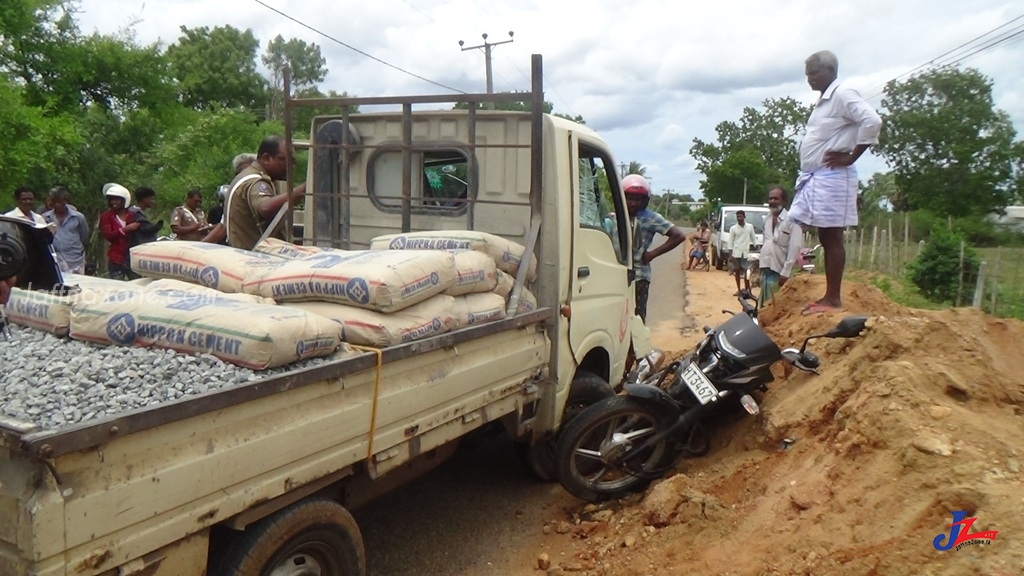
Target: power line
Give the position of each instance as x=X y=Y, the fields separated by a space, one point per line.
x=938 y=61
x=354 y=49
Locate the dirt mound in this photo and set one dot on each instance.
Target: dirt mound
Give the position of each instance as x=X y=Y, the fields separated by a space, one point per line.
x=852 y=472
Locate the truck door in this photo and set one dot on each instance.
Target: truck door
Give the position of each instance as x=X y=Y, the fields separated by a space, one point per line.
x=601 y=295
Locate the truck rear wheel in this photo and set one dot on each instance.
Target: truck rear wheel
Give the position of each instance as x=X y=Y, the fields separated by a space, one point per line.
x=314 y=537
x=587 y=388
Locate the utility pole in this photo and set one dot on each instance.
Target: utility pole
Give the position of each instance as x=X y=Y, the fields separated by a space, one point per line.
x=487 y=46
x=744 y=190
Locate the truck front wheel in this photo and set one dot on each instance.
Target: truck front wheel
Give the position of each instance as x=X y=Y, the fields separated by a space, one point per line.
x=312 y=537
x=587 y=388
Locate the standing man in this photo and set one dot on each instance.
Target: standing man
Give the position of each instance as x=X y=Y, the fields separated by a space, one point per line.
x=783 y=239
x=646 y=223
x=741 y=238
x=25 y=204
x=218 y=234
x=841 y=127
x=252 y=204
x=145 y=199
x=71 y=234
x=188 y=222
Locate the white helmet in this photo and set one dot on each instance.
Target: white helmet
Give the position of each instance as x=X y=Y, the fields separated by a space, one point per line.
x=222 y=191
x=118 y=191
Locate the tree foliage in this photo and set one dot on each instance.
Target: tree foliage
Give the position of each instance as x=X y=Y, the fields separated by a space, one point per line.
x=305 y=63
x=217 y=68
x=952 y=152
x=761 y=149
x=940 y=272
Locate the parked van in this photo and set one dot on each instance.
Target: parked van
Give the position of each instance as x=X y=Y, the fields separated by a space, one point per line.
x=724 y=220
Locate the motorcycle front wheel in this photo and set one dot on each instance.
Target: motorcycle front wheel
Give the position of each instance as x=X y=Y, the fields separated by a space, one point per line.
x=592 y=448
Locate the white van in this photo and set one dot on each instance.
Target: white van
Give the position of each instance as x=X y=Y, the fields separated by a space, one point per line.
x=724 y=220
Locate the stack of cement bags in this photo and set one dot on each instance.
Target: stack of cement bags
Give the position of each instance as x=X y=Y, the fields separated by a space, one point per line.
x=379 y=298
x=479 y=302
x=177 y=315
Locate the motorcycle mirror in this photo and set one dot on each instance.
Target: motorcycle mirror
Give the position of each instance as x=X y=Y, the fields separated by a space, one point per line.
x=849 y=327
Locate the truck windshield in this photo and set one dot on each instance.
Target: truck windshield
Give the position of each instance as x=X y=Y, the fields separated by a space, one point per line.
x=754 y=218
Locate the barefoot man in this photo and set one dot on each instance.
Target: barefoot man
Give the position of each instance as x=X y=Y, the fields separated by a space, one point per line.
x=841 y=127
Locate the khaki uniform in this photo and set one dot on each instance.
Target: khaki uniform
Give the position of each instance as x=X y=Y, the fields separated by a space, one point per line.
x=182 y=216
x=241 y=210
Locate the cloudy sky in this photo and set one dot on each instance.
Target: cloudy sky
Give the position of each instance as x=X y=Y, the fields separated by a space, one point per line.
x=650 y=76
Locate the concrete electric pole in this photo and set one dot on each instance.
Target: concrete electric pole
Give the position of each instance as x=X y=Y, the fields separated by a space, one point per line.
x=487 y=58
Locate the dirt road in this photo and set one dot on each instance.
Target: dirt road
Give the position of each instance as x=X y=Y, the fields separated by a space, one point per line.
x=481 y=513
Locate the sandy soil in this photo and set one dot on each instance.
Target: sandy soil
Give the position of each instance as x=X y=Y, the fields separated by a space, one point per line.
x=851 y=472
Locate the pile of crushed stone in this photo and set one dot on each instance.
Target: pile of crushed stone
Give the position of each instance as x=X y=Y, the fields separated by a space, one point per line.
x=852 y=472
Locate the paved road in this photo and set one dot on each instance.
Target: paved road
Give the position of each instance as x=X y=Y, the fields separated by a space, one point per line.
x=480 y=513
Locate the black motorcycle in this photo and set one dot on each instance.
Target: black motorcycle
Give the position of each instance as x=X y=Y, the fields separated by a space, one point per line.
x=622 y=443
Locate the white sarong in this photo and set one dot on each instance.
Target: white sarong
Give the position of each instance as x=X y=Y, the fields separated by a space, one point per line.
x=826 y=198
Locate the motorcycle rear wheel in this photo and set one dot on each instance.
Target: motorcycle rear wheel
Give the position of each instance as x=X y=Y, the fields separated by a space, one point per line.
x=590 y=450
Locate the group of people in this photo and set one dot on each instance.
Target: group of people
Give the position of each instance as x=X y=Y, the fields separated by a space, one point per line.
x=841 y=127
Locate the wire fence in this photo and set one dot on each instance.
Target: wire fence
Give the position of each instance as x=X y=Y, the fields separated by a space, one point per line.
x=997 y=288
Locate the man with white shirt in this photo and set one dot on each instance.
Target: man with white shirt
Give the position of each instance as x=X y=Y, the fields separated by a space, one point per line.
x=841 y=127
x=25 y=203
x=741 y=238
x=783 y=239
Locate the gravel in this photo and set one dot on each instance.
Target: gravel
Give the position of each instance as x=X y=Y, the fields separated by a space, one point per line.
x=53 y=382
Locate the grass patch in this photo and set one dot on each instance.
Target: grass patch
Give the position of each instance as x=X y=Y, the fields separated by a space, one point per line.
x=898 y=290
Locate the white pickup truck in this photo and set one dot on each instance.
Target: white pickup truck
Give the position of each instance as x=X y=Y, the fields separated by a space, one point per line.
x=256 y=479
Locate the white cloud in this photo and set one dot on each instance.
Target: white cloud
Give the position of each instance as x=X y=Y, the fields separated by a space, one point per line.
x=648 y=75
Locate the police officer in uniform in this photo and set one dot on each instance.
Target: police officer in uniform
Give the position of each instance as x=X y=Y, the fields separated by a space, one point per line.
x=252 y=203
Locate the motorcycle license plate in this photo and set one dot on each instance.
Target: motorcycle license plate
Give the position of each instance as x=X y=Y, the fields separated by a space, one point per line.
x=699 y=384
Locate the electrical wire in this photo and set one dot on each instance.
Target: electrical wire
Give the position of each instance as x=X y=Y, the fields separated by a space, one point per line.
x=356 y=50
x=961 y=53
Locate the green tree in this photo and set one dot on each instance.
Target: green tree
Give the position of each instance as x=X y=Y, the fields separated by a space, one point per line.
x=877 y=196
x=940 y=272
x=302 y=117
x=635 y=167
x=762 y=148
x=307 y=65
x=952 y=152
x=217 y=68
x=199 y=154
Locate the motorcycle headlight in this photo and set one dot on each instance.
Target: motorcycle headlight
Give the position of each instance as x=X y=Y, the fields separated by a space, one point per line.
x=726 y=346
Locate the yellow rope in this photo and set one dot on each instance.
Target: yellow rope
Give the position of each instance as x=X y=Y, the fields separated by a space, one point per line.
x=376 y=396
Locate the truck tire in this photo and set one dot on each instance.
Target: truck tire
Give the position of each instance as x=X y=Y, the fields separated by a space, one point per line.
x=586 y=389
x=313 y=536
x=719 y=262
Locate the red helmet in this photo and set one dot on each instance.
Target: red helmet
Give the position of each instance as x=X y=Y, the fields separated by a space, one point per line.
x=636 y=184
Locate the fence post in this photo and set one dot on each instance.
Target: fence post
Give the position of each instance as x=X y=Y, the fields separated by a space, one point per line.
x=888 y=238
x=995 y=281
x=860 y=248
x=979 y=287
x=960 y=284
x=874 y=248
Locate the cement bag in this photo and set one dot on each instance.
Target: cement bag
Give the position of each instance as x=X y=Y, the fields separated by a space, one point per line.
x=40 y=310
x=506 y=254
x=97 y=283
x=385 y=281
x=178 y=288
x=475 y=272
x=504 y=284
x=256 y=336
x=479 y=308
x=212 y=265
x=285 y=249
x=527 y=302
x=369 y=328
